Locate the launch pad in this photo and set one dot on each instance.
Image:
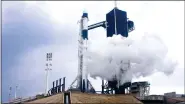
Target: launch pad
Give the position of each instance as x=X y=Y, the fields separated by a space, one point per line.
x=116 y=23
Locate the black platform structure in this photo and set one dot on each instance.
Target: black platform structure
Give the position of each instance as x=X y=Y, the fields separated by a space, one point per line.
x=116 y=23
x=60 y=87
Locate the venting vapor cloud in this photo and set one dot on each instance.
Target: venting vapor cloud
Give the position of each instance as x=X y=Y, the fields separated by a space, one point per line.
x=146 y=56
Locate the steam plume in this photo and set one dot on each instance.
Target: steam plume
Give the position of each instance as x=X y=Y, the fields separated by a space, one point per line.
x=127 y=58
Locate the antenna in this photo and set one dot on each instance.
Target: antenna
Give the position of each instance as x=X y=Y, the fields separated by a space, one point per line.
x=115 y=3
x=48 y=65
x=115 y=16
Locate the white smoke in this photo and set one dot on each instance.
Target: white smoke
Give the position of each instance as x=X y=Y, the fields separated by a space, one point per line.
x=146 y=56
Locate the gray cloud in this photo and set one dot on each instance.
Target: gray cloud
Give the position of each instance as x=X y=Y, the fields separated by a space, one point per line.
x=25 y=34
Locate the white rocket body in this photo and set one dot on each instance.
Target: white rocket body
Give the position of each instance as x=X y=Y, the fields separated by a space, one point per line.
x=83 y=38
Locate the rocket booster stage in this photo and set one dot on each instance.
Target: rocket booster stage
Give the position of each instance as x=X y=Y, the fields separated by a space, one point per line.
x=85 y=38
x=82 y=80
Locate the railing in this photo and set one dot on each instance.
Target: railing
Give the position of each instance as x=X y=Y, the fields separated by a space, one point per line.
x=100 y=24
x=152 y=97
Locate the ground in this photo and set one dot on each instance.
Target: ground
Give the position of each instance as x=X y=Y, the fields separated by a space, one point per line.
x=78 y=97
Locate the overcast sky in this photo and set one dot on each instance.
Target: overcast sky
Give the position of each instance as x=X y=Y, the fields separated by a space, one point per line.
x=31 y=29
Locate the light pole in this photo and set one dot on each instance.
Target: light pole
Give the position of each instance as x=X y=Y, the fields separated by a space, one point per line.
x=15 y=92
x=9 y=96
x=48 y=65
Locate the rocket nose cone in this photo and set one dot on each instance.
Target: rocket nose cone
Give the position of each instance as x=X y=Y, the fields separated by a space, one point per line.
x=85 y=14
x=85 y=11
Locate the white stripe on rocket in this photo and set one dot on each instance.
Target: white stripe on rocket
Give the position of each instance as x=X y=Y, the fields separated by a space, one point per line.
x=85 y=23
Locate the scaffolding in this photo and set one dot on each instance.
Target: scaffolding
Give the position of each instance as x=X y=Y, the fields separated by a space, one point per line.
x=140 y=89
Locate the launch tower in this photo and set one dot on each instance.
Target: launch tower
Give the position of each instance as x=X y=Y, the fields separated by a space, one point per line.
x=116 y=23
